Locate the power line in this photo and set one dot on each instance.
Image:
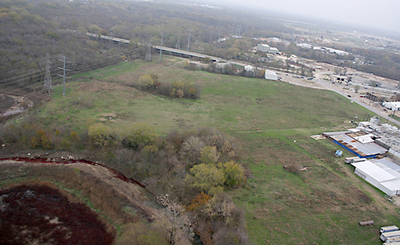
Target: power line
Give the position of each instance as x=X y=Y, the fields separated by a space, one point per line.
x=29 y=84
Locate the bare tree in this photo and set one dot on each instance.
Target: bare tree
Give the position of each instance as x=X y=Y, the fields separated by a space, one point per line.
x=176 y=221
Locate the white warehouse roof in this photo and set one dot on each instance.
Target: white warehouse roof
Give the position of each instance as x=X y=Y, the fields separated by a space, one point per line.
x=381 y=173
x=374 y=171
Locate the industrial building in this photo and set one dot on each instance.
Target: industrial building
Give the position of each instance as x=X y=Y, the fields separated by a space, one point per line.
x=381 y=173
x=394 y=106
x=341 y=79
x=375 y=97
x=267 y=49
x=357 y=142
x=373 y=140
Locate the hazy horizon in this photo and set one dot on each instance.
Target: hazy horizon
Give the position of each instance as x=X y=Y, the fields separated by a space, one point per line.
x=363 y=13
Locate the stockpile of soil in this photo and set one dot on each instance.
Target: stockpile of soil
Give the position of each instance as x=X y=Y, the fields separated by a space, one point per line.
x=38 y=214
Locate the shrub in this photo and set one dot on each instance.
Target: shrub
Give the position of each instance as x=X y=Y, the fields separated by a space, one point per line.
x=137 y=136
x=41 y=139
x=199 y=201
x=101 y=135
x=146 y=82
x=234 y=174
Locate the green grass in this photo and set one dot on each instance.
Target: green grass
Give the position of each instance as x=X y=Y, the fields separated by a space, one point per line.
x=395 y=117
x=229 y=103
x=273 y=121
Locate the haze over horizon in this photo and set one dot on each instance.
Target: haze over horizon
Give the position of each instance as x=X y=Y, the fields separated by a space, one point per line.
x=364 y=13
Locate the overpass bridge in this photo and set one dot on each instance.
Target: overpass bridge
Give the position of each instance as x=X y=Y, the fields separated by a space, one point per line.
x=171 y=51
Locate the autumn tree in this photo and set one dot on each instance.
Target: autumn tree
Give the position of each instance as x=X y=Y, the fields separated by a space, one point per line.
x=101 y=135
x=207 y=178
x=137 y=135
x=209 y=155
x=234 y=174
x=145 y=82
x=199 y=201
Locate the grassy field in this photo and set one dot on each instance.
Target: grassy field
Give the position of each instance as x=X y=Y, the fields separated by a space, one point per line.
x=273 y=121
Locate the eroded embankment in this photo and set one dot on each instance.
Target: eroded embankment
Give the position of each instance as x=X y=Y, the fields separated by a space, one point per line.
x=127 y=187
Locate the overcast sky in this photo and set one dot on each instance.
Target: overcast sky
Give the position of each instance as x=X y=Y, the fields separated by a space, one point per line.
x=381 y=14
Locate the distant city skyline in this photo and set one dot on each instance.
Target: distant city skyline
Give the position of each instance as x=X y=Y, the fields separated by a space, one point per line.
x=368 y=13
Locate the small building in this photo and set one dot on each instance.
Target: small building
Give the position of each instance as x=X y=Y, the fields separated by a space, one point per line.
x=394 y=106
x=304 y=45
x=270 y=75
x=341 y=79
x=263 y=47
x=375 y=97
x=267 y=49
x=249 y=68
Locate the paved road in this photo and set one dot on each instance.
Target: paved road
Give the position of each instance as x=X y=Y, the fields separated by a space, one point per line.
x=328 y=85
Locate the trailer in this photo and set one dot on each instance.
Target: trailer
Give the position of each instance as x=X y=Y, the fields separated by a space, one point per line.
x=391 y=234
x=388 y=228
x=393 y=240
x=353 y=159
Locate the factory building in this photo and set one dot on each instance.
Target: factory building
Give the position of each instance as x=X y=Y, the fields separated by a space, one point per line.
x=267 y=49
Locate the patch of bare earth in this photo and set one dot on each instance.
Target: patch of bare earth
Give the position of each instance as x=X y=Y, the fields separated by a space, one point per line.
x=41 y=214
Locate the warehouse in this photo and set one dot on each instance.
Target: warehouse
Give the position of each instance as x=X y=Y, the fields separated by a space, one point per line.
x=359 y=143
x=381 y=173
x=394 y=106
x=267 y=49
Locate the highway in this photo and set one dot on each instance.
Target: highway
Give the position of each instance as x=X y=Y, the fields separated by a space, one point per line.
x=156 y=47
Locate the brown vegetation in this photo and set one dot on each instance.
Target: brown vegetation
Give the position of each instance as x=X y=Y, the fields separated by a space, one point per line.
x=39 y=214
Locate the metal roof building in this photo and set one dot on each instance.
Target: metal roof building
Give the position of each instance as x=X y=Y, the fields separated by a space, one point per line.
x=267 y=49
x=359 y=143
x=382 y=173
x=394 y=106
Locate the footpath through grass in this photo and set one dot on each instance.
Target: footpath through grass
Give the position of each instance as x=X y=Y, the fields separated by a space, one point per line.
x=321 y=204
